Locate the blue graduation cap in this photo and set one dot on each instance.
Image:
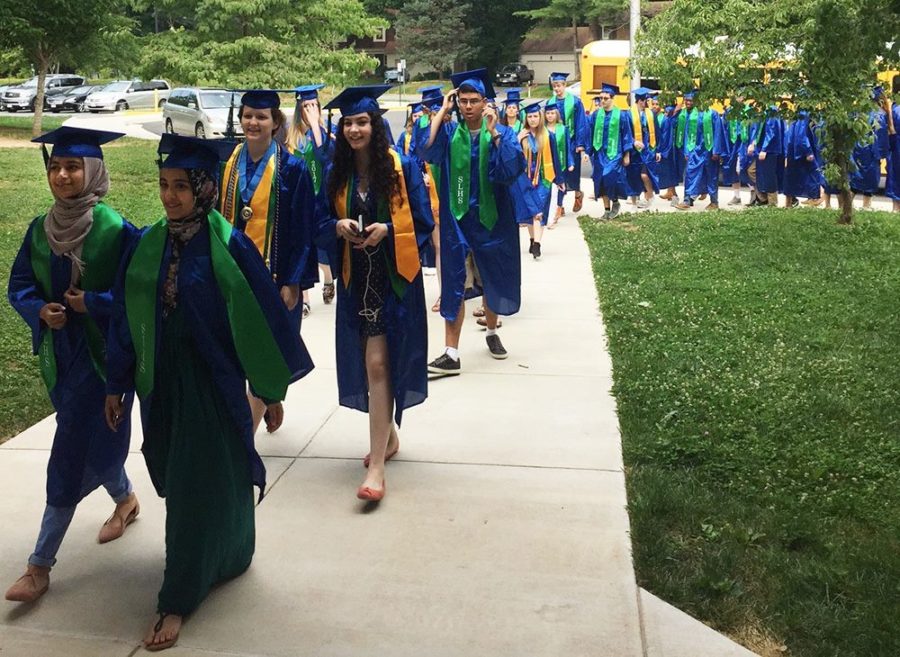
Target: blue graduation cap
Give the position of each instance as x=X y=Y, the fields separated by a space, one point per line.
x=877 y=92
x=689 y=95
x=432 y=98
x=513 y=97
x=357 y=100
x=263 y=98
x=308 y=91
x=641 y=93
x=414 y=107
x=77 y=142
x=558 y=77
x=533 y=108
x=610 y=89
x=477 y=80
x=551 y=104
x=193 y=153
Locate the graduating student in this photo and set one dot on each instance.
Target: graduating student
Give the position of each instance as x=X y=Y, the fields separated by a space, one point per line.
x=542 y=171
x=269 y=195
x=867 y=157
x=480 y=159
x=669 y=158
x=641 y=174
x=404 y=141
x=196 y=317
x=573 y=116
x=609 y=149
x=735 y=135
x=766 y=150
x=308 y=139
x=698 y=133
x=512 y=110
x=801 y=171
x=60 y=284
x=565 y=151
x=380 y=219
x=892 y=116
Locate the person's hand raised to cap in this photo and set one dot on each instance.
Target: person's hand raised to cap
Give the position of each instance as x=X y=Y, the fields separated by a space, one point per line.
x=490 y=115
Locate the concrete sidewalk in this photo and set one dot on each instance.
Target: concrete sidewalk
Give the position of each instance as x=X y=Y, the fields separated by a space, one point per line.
x=503 y=532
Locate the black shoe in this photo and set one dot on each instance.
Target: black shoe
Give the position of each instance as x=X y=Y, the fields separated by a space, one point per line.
x=495 y=347
x=536 y=250
x=754 y=202
x=443 y=365
x=531 y=246
x=795 y=203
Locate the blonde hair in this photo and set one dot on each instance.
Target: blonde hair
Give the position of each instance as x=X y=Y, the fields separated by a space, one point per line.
x=298 y=128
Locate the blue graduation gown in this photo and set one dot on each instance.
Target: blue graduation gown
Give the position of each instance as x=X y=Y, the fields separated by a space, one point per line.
x=643 y=160
x=406 y=318
x=82 y=440
x=701 y=174
x=496 y=251
x=732 y=151
x=892 y=184
x=609 y=173
x=201 y=301
x=867 y=157
x=533 y=199
x=404 y=143
x=323 y=155
x=671 y=164
x=801 y=176
x=770 y=172
x=579 y=135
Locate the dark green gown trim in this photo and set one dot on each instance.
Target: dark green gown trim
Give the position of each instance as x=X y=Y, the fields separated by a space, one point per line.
x=198 y=462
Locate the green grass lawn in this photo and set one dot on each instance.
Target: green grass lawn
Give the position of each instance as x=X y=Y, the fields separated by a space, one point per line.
x=23 y=196
x=756 y=365
x=19 y=127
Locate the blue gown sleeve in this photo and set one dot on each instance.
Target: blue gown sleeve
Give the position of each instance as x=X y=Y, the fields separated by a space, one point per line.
x=120 y=354
x=302 y=267
x=507 y=161
x=325 y=152
x=590 y=122
x=23 y=293
x=570 y=149
x=437 y=152
x=558 y=167
x=720 y=141
x=626 y=136
x=325 y=233
x=580 y=137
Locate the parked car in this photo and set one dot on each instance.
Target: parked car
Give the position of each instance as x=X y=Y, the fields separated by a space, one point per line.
x=72 y=100
x=22 y=97
x=201 y=112
x=514 y=74
x=128 y=94
x=393 y=76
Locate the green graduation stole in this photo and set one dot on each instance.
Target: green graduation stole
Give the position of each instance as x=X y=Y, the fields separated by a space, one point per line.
x=424 y=121
x=460 y=168
x=313 y=164
x=737 y=128
x=612 y=137
x=259 y=353
x=517 y=126
x=101 y=252
x=569 y=113
x=690 y=118
x=562 y=149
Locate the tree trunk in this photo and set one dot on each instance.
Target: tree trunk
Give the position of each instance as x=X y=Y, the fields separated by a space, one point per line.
x=846 y=204
x=39 y=98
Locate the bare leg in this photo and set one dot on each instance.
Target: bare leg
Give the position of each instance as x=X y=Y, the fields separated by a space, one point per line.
x=648 y=187
x=536 y=229
x=381 y=408
x=491 y=318
x=454 y=328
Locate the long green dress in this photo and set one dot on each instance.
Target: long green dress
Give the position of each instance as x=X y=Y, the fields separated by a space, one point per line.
x=198 y=462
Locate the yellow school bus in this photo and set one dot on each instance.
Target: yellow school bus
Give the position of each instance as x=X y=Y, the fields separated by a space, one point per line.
x=605 y=62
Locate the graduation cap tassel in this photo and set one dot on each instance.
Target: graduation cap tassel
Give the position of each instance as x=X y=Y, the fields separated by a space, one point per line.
x=329 y=122
x=229 y=130
x=46 y=155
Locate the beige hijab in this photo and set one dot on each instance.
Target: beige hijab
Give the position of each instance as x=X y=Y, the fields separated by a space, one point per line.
x=70 y=219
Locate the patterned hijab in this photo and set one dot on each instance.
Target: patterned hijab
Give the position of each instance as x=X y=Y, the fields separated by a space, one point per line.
x=206 y=192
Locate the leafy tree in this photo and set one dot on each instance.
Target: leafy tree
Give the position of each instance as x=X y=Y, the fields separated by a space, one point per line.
x=14 y=63
x=434 y=33
x=277 y=43
x=571 y=13
x=822 y=54
x=48 y=31
x=504 y=44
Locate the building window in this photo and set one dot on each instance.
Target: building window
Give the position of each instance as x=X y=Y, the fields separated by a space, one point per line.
x=380 y=36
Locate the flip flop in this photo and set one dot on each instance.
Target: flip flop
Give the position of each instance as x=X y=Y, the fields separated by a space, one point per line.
x=156 y=647
x=387 y=457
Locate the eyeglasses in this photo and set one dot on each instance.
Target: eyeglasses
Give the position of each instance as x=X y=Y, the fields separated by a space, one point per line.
x=470 y=101
x=602 y=98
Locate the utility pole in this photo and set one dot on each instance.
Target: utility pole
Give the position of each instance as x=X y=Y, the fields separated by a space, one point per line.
x=634 y=26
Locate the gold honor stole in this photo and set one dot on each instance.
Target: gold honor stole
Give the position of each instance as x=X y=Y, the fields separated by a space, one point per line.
x=258 y=227
x=544 y=160
x=637 y=128
x=433 y=194
x=406 y=247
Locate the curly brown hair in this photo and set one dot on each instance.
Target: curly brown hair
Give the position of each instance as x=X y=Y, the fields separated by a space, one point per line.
x=383 y=179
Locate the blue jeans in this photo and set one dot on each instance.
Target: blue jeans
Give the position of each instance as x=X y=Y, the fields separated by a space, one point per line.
x=57 y=518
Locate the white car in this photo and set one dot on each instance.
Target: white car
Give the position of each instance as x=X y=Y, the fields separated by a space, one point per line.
x=128 y=94
x=202 y=112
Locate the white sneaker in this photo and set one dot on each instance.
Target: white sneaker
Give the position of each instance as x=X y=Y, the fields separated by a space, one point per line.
x=643 y=204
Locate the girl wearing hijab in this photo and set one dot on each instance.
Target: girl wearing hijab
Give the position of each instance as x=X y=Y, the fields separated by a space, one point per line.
x=381 y=219
x=198 y=318
x=60 y=285
x=315 y=147
x=269 y=195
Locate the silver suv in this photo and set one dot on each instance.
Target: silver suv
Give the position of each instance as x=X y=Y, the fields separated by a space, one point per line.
x=201 y=112
x=128 y=94
x=22 y=96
